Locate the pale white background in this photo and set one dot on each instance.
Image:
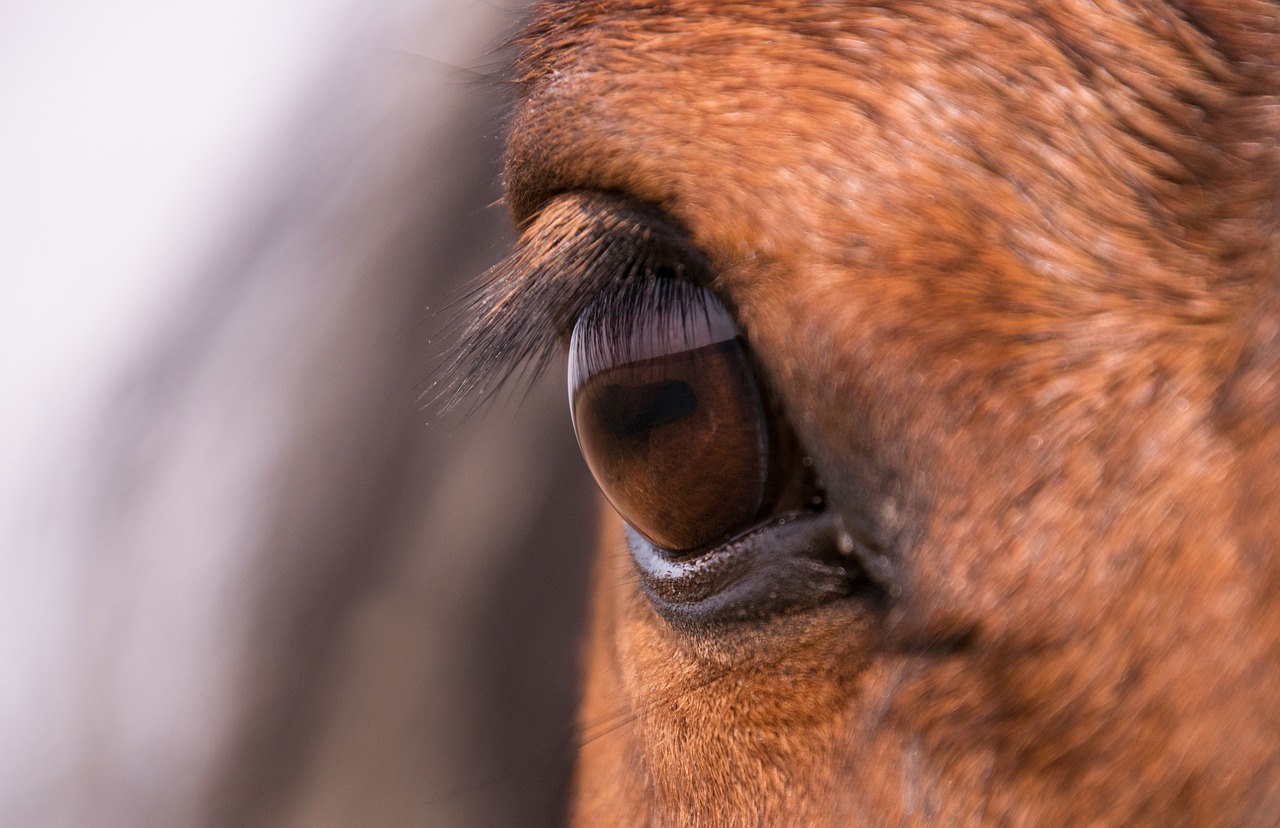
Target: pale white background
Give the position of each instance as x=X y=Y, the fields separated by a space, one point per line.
x=136 y=138
x=129 y=134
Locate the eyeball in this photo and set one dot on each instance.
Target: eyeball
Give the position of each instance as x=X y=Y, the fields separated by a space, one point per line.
x=669 y=415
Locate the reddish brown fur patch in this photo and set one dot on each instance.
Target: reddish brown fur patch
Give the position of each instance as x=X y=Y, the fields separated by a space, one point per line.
x=1031 y=251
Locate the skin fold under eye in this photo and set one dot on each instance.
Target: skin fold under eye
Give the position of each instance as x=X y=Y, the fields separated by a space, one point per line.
x=669 y=415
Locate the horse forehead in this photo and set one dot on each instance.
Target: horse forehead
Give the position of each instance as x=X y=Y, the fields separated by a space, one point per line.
x=767 y=131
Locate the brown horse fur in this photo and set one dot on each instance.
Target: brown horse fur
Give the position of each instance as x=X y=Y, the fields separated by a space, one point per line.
x=1011 y=269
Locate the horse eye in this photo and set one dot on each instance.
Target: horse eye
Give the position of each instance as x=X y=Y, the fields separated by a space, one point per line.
x=668 y=413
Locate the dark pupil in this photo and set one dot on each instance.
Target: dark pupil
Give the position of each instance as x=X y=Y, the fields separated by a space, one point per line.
x=678 y=443
x=631 y=410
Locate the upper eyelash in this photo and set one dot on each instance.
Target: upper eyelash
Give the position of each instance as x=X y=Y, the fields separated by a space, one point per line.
x=657 y=315
x=580 y=247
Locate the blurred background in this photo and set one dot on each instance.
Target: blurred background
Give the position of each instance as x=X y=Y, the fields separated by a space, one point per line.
x=248 y=575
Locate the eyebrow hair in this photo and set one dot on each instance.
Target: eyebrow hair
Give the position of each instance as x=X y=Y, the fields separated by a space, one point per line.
x=579 y=247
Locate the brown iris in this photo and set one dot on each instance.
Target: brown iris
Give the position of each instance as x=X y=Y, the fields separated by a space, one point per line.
x=668 y=413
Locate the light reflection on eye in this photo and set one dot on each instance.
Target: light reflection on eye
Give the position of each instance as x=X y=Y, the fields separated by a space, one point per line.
x=668 y=413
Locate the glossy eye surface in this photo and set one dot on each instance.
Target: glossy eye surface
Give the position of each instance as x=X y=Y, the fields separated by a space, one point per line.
x=668 y=413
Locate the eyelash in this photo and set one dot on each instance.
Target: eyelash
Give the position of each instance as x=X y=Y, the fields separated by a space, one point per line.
x=582 y=247
x=606 y=331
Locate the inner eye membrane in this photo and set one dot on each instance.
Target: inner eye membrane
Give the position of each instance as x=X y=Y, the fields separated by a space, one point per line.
x=668 y=413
